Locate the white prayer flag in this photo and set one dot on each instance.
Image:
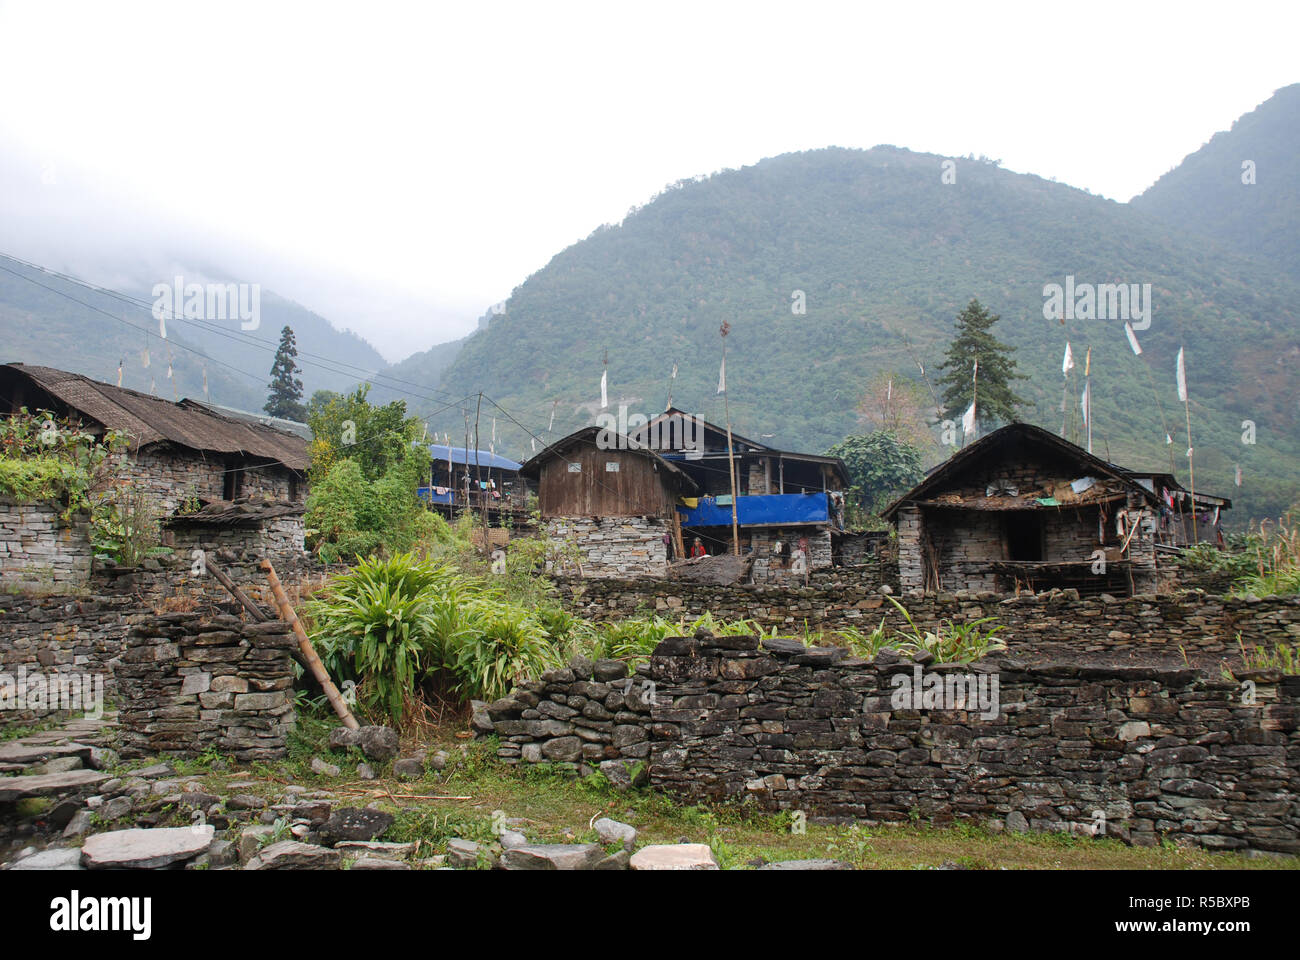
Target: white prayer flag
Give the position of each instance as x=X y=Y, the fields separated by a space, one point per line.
x=968 y=420
x=722 y=376
x=604 y=396
x=1068 y=363
x=1132 y=339
x=1085 y=402
x=1182 y=377
x=1238 y=474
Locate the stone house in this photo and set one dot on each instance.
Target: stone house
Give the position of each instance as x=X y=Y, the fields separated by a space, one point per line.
x=611 y=504
x=185 y=455
x=1022 y=508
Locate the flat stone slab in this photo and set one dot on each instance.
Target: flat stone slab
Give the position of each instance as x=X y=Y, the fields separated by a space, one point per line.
x=553 y=856
x=674 y=856
x=61 y=858
x=16 y=788
x=145 y=849
x=614 y=831
x=376 y=848
x=292 y=855
x=379 y=863
x=807 y=865
x=22 y=752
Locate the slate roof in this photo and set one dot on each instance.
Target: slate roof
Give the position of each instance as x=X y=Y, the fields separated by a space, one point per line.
x=150 y=420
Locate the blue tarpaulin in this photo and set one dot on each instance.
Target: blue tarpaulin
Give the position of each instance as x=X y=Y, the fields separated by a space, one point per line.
x=433 y=496
x=772 y=509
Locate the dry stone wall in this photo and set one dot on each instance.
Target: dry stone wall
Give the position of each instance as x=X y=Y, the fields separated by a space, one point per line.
x=38 y=550
x=188 y=683
x=54 y=636
x=614 y=546
x=1054 y=624
x=1135 y=753
x=580 y=717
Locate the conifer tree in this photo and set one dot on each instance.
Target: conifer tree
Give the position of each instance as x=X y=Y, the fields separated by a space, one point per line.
x=995 y=401
x=285 y=398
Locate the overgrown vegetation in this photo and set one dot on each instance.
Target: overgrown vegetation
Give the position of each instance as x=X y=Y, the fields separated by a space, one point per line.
x=1264 y=561
x=44 y=457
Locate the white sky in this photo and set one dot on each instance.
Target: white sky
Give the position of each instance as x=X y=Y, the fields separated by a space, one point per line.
x=398 y=168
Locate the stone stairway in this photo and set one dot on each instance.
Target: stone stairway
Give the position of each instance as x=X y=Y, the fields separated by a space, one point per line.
x=57 y=762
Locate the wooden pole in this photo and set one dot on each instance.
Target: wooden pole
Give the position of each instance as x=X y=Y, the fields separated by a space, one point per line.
x=731 y=460
x=308 y=651
x=256 y=612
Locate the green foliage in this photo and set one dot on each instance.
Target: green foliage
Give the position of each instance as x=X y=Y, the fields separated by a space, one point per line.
x=350 y=427
x=350 y=516
x=951 y=642
x=1282 y=657
x=881 y=466
x=285 y=397
x=44 y=457
x=996 y=402
x=124 y=526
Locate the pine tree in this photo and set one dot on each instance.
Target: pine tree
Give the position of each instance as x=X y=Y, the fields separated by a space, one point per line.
x=995 y=400
x=285 y=398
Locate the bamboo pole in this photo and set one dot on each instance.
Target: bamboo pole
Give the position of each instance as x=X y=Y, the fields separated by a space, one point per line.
x=308 y=651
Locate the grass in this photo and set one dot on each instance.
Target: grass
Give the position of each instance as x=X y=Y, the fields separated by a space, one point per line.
x=550 y=806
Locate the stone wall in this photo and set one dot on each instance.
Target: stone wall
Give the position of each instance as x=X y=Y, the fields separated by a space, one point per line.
x=1134 y=753
x=1145 y=752
x=614 y=546
x=39 y=551
x=241 y=548
x=578 y=717
x=53 y=636
x=188 y=683
x=172 y=475
x=770 y=567
x=1122 y=629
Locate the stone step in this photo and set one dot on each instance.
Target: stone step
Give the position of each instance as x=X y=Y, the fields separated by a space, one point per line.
x=17 y=788
x=24 y=752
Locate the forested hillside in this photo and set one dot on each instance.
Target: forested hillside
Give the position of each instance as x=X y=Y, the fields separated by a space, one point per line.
x=885 y=254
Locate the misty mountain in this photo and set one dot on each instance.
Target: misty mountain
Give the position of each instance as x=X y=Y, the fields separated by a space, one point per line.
x=1243 y=187
x=53 y=321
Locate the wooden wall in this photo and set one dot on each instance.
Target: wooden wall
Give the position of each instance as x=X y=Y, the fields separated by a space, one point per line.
x=637 y=489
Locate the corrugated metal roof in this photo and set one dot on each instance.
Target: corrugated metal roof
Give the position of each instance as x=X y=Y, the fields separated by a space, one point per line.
x=149 y=419
x=485 y=458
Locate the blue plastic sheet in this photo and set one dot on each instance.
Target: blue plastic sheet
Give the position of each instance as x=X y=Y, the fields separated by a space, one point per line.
x=773 y=509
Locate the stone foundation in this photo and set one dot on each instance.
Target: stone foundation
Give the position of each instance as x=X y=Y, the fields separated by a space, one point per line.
x=614 y=546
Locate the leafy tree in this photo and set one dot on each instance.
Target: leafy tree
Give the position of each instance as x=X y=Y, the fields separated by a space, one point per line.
x=350 y=427
x=285 y=399
x=881 y=465
x=350 y=516
x=991 y=387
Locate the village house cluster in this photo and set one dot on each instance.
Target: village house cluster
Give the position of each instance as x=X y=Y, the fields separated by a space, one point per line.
x=1019 y=509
